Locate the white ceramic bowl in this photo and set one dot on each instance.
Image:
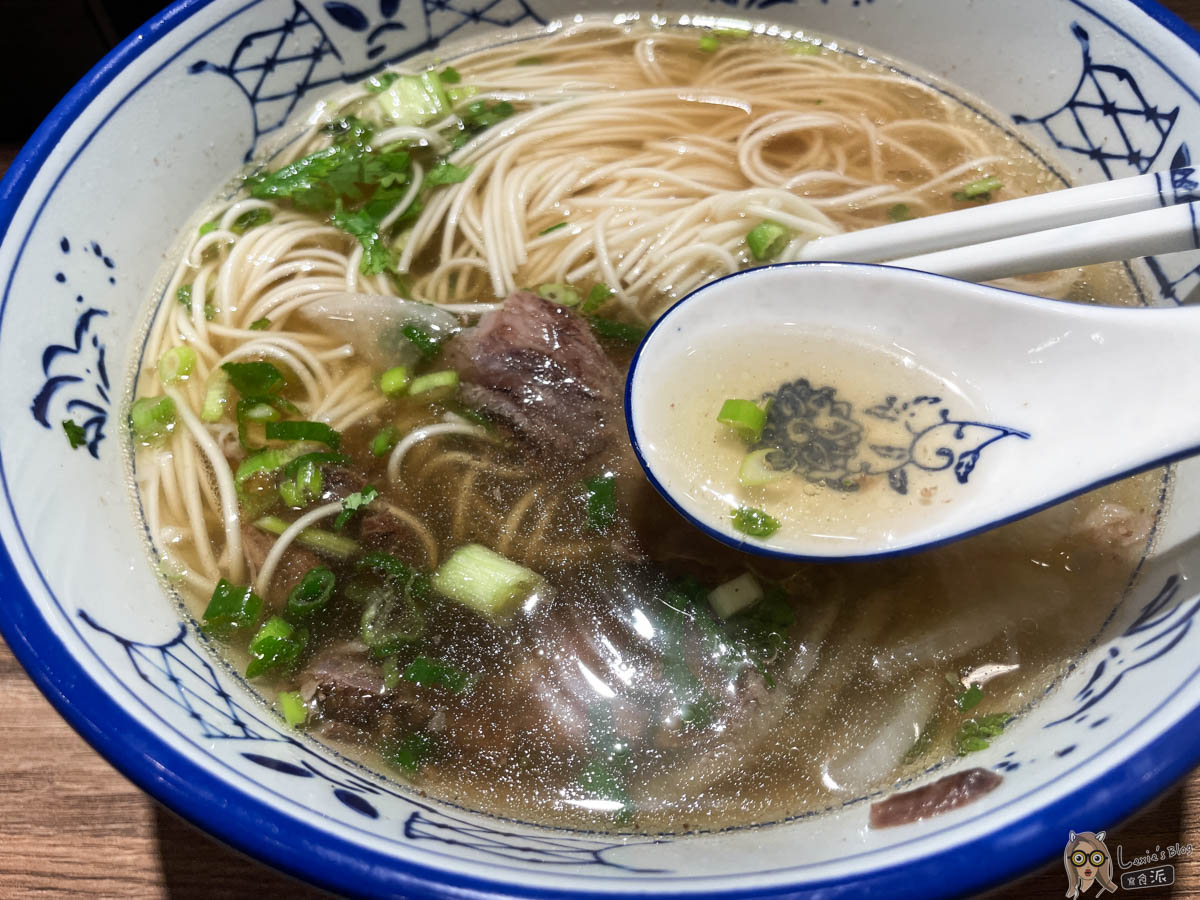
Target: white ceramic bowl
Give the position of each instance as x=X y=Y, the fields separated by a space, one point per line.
x=1101 y=87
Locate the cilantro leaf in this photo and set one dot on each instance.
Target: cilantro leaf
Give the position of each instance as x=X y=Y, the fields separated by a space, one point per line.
x=447 y=173
x=377 y=257
x=352 y=504
x=76 y=436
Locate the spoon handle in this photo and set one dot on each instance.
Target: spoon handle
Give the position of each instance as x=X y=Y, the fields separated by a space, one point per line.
x=994 y=221
x=1103 y=391
x=1166 y=230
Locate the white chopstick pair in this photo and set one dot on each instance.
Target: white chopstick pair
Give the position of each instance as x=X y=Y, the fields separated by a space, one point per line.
x=1141 y=216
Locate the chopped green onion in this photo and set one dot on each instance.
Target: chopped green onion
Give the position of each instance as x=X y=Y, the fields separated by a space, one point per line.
x=394 y=380
x=254 y=379
x=616 y=331
x=263 y=461
x=427 y=345
x=232 y=606
x=414 y=99
x=216 y=396
x=969 y=698
x=900 y=213
x=754 y=522
x=766 y=240
x=410 y=754
x=745 y=417
x=737 y=34
x=305 y=489
x=176 y=364
x=387 y=566
x=601 y=502
x=445 y=380
x=390 y=619
x=304 y=431
x=152 y=417
x=260 y=324
x=980 y=190
x=708 y=43
x=312 y=593
x=596 y=298
x=977 y=733
x=449 y=75
x=384 y=441
x=208 y=228
x=252 y=218
x=428 y=672
x=252 y=412
x=552 y=228
x=293 y=708
x=485 y=582
x=313 y=538
x=320 y=459
x=352 y=504
x=562 y=294
x=184 y=296
x=755 y=471
x=76 y=436
x=277 y=644
x=735 y=596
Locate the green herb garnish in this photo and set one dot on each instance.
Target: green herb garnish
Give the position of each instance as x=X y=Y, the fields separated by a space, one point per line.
x=352 y=504
x=601 y=493
x=232 y=606
x=977 y=733
x=754 y=522
x=980 y=190
x=76 y=436
x=429 y=672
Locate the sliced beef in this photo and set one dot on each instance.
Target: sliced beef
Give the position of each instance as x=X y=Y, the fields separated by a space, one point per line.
x=348 y=688
x=339 y=482
x=295 y=562
x=941 y=796
x=538 y=366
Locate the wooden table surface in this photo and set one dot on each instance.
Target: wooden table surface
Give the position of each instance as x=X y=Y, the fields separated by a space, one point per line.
x=71 y=826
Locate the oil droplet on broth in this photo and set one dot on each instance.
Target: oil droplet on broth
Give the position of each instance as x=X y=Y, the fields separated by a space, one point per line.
x=842 y=435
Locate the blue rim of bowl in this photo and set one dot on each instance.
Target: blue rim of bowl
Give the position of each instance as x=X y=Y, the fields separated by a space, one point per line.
x=760 y=549
x=297 y=847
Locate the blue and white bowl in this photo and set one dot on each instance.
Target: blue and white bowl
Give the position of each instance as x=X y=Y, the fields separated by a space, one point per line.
x=1103 y=88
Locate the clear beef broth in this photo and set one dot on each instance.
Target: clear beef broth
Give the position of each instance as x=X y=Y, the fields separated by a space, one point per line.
x=620 y=701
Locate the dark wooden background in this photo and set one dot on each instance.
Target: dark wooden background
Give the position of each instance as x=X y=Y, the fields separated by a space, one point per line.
x=70 y=826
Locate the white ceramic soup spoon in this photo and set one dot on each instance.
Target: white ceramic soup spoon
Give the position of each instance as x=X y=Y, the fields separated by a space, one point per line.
x=878 y=410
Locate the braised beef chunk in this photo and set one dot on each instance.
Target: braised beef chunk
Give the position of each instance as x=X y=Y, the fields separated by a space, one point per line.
x=295 y=562
x=538 y=366
x=943 y=795
x=349 y=688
